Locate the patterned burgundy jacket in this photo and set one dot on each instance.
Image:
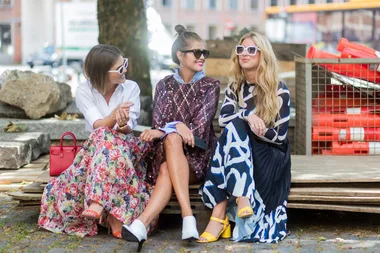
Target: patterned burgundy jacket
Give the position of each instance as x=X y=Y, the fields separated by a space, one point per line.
x=193 y=104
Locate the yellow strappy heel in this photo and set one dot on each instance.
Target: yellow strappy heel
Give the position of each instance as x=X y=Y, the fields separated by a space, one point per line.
x=224 y=233
x=244 y=212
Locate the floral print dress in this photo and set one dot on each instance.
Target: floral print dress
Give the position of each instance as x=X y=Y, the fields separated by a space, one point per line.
x=110 y=170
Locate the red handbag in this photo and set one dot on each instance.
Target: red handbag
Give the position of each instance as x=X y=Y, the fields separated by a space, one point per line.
x=61 y=157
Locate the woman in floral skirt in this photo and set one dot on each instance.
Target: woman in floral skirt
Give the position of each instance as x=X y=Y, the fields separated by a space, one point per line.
x=106 y=182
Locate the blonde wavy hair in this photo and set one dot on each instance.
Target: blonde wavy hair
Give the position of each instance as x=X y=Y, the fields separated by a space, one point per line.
x=267 y=107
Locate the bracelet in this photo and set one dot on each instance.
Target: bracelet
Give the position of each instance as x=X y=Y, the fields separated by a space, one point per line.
x=123 y=127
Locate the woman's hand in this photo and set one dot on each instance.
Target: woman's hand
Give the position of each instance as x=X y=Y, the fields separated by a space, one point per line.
x=257 y=125
x=186 y=133
x=122 y=117
x=151 y=134
x=121 y=113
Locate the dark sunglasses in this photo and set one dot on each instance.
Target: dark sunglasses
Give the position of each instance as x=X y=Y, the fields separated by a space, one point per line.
x=251 y=50
x=197 y=53
x=122 y=68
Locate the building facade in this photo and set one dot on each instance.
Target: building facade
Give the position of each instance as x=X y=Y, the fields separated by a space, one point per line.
x=10 y=31
x=212 y=19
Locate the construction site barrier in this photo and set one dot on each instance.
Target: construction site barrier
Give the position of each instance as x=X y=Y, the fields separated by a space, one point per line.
x=356 y=148
x=345 y=134
x=346 y=120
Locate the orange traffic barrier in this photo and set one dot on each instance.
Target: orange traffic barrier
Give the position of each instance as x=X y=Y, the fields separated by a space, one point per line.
x=353 y=53
x=343 y=102
x=346 y=120
x=352 y=70
x=345 y=134
x=347 y=110
x=361 y=50
x=356 y=148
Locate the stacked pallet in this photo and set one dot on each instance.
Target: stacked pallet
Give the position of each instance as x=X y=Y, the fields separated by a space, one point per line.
x=342 y=183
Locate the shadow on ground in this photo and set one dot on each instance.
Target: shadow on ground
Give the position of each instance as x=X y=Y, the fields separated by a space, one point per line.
x=310 y=231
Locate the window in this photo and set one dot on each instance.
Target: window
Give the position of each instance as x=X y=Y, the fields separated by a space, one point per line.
x=293 y=2
x=190 y=28
x=189 y=4
x=212 y=32
x=167 y=3
x=212 y=4
x=273 y=2
x=329 y=1
x=5 y=3
x=5 y=38
x=233 y=4
x=254 y=4
x=311 y=1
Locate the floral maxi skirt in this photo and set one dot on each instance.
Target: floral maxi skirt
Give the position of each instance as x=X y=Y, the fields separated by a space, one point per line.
x=109 y=170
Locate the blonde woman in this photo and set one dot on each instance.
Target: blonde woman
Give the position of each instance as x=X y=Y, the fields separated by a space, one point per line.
x=248 y=181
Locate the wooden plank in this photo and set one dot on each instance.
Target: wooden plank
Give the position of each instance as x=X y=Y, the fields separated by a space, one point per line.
x=10 y=187
x=17 y=179
x=19 y=195
x=335 y=169
x=34 y=166
x=335 y=199
x=347 y=208
x=336 y=191
x=34 y=187
x=21 y=173
x=44 y=177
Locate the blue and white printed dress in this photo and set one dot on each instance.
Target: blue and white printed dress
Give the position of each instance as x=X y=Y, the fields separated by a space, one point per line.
x=244 y=164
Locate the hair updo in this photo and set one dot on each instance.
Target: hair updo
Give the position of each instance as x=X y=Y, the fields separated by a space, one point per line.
x=183 y=41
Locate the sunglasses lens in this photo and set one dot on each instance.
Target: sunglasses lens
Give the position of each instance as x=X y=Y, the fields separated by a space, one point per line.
x=206 y=53
x=252 y=50
x=239 y=50
x=197 y=53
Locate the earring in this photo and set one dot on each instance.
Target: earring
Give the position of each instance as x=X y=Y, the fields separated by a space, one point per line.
x=180 y=64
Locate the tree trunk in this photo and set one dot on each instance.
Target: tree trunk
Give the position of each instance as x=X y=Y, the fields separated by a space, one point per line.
x=122 y=23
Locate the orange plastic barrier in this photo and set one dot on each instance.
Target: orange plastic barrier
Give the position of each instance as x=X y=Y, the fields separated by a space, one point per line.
x=342 y=102
x=346 y=120
x=356 y=148
x=353 y=53
x=361 y=51
x=347 y=110
x=345 y=134
x=352 y=70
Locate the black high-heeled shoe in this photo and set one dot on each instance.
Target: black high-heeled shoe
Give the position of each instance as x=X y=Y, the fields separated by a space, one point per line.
x=136 y=232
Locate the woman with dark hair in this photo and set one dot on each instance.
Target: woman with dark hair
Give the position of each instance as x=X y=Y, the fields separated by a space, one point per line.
x=107 y=177
x=248 y=181
x=185 y=104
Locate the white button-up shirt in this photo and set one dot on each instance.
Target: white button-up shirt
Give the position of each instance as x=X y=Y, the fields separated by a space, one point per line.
x=94 y=107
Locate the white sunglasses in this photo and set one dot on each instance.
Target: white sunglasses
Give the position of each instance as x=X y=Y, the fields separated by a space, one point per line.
x=122 y=68
x=251 y=50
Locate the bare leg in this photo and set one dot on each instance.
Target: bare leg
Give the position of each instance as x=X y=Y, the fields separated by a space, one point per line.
x=243 y=202
x=160 y=197
x=214 y=227
x=178 y=167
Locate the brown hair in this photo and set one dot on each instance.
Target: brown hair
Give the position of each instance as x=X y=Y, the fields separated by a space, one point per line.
x=183 y=40
x=98 y=62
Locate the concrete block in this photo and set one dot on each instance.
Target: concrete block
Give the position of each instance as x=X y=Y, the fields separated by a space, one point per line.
x=38 y=141
x=13 y=155
x=54 y=127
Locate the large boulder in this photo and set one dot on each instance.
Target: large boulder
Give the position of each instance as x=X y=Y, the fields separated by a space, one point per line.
x=37 y=94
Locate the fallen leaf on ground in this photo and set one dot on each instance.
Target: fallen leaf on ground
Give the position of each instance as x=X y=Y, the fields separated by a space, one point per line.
x=66 y=116
x=14 y=128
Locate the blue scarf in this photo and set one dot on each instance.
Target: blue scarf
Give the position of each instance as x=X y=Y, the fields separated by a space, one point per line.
x=197 y=76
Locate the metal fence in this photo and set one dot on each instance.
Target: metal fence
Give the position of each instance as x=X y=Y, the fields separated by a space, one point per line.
x=337 y=106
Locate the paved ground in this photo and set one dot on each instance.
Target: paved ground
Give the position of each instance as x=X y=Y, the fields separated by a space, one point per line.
x=310 y=231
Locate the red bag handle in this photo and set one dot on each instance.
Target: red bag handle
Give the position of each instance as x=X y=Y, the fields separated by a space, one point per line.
x=72 y=136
